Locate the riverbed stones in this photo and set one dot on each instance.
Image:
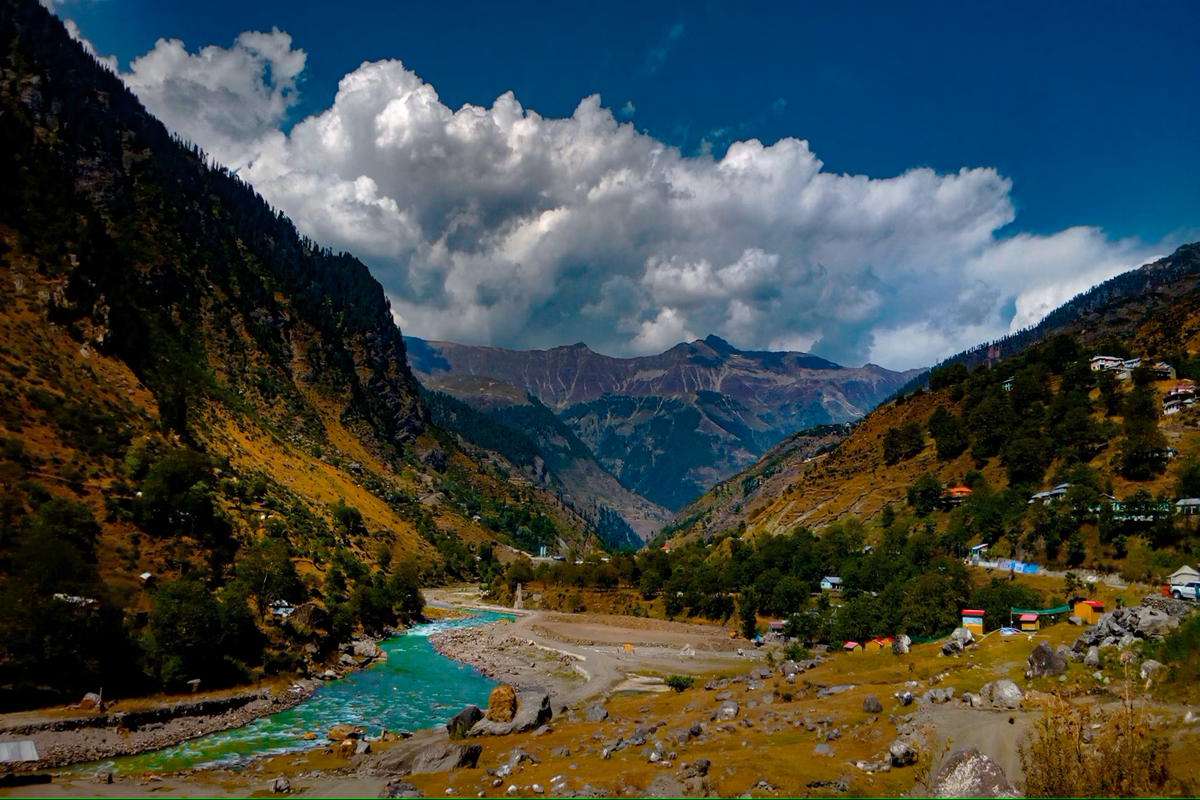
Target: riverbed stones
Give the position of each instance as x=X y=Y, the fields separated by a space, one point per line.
x=969 y=773
x=871 y=705
x=339 y=733
x=1044 y=661
x=502 y=704
x=463 y=721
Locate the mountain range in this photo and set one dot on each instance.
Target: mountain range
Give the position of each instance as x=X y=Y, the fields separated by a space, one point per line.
x=667 y=426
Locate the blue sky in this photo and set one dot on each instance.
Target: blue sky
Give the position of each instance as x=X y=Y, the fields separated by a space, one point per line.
x=1089 y=110
x=1092 y=108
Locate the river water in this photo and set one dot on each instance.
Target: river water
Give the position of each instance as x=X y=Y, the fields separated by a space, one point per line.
x=414 y=688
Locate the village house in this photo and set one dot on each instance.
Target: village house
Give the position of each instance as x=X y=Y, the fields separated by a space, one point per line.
x=954 y=495
x=1088 y=610
x=852 y=647
x=1029 y=622
x=878 y=645
x=1050 y=495
x=831 y=583
x=1183 y=575
x=972 y=620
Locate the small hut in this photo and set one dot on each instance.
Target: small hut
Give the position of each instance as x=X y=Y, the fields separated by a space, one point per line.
x=1088 y=610
x=852 y=647
x=1030 y=622
x=972 y=620
x=878 y=645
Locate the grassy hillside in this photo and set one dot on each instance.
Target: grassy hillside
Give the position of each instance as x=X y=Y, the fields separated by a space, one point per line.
x=192 y=390
x=1057 y=421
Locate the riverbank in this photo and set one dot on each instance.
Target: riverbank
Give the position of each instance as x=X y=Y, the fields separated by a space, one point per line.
x=62 y=739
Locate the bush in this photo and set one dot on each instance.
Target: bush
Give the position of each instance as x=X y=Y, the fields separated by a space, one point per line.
x=1080 y=751
x=794 y=651
x=680 y=682
x=902 y=443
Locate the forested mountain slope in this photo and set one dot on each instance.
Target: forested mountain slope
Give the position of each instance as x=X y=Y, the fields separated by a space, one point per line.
x=1007 y=430
x=192 y=390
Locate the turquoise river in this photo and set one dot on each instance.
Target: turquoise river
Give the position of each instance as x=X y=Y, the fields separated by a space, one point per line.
x=415 y=688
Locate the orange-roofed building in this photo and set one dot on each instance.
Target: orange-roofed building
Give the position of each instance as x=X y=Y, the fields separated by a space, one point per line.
x=1089 y=611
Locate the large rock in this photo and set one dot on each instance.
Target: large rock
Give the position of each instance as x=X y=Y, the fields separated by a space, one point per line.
x=1152 y=624
x=1092 y=659
x=728 y=710
x=958 y=641
x=1149 y=667
x=401 y=789
x=1046 y=662
x=340 y=733
x=365 y=648
x=502 y=704
x=871 y=704
x=901 y=644
x=596 y=712
x=969 y=773
x=1001 y=694
x=463 y=721
x=533 y=711
x=446 y=756
x=902 y=754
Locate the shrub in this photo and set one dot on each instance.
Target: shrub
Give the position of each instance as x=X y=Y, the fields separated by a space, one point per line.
x=794 y=651
x=680 y=682
x=1078 y=751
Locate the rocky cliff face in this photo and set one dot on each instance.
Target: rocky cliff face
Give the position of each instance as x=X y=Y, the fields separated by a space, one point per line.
x=671 y=425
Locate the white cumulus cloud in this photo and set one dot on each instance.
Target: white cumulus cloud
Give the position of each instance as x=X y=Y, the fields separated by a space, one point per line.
x=498 y=225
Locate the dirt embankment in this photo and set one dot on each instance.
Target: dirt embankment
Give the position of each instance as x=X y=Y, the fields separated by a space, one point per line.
x=93 y=737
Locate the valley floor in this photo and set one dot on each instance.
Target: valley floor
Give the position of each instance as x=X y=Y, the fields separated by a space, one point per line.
x=808 y=737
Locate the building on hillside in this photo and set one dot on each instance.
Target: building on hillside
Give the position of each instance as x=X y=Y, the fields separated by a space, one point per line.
x=953 y=495
x=1088 y=610
x=1110 y=363
x=972 y=620
x=831 y=583
x=1030 y=622
x=1161 y=371
x=1007 y=385
x=280 y=608
x=1183 y=575
x=1187 y=506
x=1179 y=397
x=1050 y=495
x=978 y=551
x=852 y=647
x=87 y=603
x=878 y=645
x=147 y=579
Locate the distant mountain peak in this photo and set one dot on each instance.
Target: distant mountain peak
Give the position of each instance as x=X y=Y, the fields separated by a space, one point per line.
x=720 y=345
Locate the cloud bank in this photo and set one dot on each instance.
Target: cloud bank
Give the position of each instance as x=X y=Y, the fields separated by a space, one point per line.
x=497 y=225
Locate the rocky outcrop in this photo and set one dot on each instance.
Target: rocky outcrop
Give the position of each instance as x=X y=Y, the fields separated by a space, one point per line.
x=446 y=756
x=532 y=711
x=1153 y=619
x=958 y=641
x=902 y=754
x=969 y=773
x=871 y=705
x=463 y=721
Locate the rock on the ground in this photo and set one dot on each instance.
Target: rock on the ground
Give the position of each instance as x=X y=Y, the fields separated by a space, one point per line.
x=1149 y=667
x=1044 y=661
x=596 y=712
x=446 y=756
x=1002 y=694
x=969 y=773
x=901 y=644
x=728 y=710
x=280 y=785
x=697 y=769
x=401 y=789
x=533 y=711
x=340 y=733
x=365 y=648
x=1092 y=659
x=502 y=704
x=871 y=705
x=464 y=720
x=561 y=752
x=902 y=754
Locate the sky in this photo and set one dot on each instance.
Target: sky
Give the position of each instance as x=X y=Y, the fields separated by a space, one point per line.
x=868 y=181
